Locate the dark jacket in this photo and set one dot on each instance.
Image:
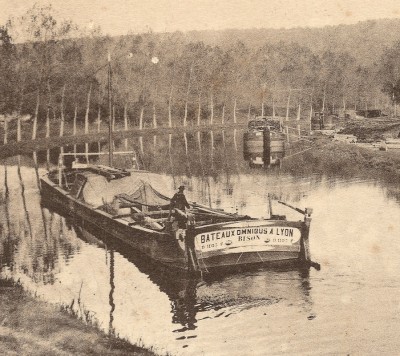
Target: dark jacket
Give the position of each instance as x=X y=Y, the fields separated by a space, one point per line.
x=179 y=201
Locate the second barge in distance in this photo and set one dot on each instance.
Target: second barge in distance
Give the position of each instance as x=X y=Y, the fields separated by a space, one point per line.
x=263 y=143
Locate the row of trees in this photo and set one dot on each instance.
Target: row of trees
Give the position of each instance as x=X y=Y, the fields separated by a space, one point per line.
x=61 y=70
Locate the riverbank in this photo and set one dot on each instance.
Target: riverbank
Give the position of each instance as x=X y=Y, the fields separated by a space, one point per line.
x=29 y=326
x=342 y=159
x=372 y=129
x=339 y=159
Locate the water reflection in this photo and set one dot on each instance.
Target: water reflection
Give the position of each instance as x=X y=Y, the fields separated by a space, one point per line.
x=6 y=251
x=195 y=299
x=22 y=189
x=179 y=287
x=197 y=153
x=26 y=243
x=112 y=289
x=66 y=262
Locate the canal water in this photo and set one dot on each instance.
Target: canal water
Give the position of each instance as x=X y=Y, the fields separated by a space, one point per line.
x=350 y=306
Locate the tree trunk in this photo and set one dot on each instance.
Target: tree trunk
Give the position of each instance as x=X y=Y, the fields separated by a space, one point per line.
x=141 y=118
x=169 y=113
x=141 y=144
x=75 y=117
x=18 y=129
x=199 y=111
x=212 y=148
x=48 y=111
x=74 y=126
x=154 y=108
x=48 y=122
x=34 y=129
x=185 y=116
x=234 y=111
x=211 y=108
x=87 y=152
x=187 y=96
x=62 y=112
x=126 y=117
x=126 y=124
x=298 y=112
x=287 y=106
x=88 y=110
x=287 y=133
x=5 y=130
x=19 y=116
x=170 y=96
x=199 y=140
x=154 y=116
x=186 y=142
x=113 y=118
x=98 y=119
x=234 y=140
x=273 y=107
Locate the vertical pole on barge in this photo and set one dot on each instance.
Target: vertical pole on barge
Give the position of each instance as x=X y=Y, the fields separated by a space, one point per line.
x=191 y=257
x=270 y=205
x=305 y=255
x=110 y=109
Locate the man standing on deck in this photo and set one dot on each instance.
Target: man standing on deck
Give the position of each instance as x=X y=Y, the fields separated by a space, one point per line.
x=179 y=202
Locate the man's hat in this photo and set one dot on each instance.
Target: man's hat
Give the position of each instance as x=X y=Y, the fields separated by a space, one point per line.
x=182 y=187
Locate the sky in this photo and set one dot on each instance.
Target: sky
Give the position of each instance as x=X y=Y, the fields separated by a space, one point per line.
x=117 y=17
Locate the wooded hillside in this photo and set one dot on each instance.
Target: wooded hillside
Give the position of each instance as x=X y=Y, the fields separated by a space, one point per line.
x=206 y=75
x=365 y=41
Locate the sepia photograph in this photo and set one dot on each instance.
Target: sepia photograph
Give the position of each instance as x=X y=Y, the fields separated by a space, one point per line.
x=199 y=177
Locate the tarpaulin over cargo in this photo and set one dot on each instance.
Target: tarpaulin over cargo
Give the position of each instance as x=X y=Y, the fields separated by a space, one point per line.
x=98 y=191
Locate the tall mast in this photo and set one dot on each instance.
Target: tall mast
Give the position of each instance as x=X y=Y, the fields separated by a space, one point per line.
x=110 y=110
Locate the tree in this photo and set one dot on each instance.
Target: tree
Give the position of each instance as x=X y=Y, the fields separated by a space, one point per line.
x=40 y=56
x=389 y=72
x=8 y=97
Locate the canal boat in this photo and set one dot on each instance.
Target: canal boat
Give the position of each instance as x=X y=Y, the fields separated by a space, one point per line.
x=265 y=122
x=125 y=204
x=263 y=147
x=263 y=142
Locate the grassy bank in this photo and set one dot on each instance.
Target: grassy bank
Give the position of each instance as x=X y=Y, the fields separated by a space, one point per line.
x=373 y=129
x=33 y=327
x=344 y=160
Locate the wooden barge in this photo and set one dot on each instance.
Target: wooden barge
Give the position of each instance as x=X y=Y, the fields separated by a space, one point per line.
x=125 y=205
